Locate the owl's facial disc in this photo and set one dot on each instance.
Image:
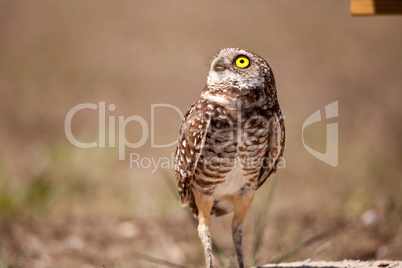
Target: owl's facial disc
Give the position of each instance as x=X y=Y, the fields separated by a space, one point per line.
x=234 y=70
x=221 y=64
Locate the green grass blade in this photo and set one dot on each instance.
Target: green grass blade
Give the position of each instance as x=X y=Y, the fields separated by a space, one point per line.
x=262 y=220
x=218 y=251
x=3 y=256
x=323 y=247
x=158 y=261
x=305 y=244
x=221 y=257
x=171 y=183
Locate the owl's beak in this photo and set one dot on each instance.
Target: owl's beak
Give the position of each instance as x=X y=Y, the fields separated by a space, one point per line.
x=217 y=65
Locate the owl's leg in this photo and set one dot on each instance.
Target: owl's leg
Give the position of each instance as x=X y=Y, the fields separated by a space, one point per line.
x=205 y=204
x=241 y=206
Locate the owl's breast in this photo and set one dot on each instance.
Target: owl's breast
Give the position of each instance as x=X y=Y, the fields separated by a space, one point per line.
x=232 y=155
x=234 y=181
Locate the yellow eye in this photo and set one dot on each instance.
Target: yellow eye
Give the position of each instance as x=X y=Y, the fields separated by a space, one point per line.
x=242 y=62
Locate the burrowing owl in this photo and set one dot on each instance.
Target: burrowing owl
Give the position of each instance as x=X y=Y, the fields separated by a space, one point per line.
x=230 y=141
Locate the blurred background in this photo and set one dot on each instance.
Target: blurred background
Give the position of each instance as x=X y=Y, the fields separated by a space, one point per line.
x=64 y=206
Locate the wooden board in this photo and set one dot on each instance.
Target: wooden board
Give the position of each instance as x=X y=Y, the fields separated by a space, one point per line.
x=375 y=7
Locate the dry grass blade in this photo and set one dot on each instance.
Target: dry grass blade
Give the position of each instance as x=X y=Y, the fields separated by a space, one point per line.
x=148 y=258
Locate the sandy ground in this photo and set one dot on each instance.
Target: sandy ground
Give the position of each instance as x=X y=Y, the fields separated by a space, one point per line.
x=344 y=263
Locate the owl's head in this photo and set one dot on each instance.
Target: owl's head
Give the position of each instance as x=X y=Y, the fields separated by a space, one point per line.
x=239 y=68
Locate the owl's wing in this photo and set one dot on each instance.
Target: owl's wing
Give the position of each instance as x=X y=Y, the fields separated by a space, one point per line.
x=276 y=145
x=192 y=135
